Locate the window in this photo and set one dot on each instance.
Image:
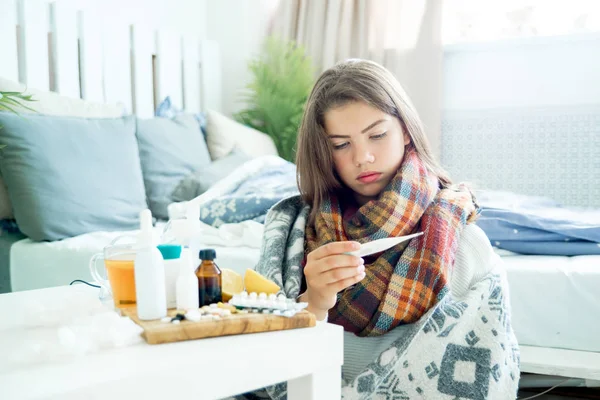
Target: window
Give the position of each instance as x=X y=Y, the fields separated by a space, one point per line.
x=486 y=20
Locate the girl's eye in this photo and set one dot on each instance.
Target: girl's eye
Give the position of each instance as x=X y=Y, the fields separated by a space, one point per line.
x=340 y=146
x=380 y=136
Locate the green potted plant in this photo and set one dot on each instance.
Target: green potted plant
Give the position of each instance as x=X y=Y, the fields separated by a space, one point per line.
x=282 y=77
x=12 y=101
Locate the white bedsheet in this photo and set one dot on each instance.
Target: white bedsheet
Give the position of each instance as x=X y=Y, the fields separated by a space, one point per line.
x=555 y=300
x=36 y=265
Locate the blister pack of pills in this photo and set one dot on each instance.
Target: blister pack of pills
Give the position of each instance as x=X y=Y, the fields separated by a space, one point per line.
x=271 y=304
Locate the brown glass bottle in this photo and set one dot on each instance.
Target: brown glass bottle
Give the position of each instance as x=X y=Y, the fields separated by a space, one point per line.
x=209 y=278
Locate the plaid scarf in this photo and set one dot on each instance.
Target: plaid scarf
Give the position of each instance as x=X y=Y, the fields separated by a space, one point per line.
x=404 y=282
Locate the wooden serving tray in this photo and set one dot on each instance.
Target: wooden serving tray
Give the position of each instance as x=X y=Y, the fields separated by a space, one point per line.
x=157 y=332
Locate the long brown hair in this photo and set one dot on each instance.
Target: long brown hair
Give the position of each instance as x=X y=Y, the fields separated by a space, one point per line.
x=350 y=81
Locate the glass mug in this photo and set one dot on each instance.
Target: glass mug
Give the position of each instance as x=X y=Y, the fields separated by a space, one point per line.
x=118 y=265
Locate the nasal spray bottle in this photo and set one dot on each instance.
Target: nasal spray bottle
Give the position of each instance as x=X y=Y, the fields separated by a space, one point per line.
x=187 y=283
x=194 y=228
x=149 y=271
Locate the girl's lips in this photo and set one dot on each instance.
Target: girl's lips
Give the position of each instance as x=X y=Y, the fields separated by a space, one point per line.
x=369 y=177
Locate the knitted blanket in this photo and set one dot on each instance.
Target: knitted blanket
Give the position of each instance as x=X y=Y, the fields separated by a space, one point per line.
x=460 y=349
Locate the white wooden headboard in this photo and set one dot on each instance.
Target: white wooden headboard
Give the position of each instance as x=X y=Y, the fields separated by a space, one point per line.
x=53 y=46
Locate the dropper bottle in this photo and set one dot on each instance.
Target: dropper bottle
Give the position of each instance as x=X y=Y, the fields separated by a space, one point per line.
x=149 y=272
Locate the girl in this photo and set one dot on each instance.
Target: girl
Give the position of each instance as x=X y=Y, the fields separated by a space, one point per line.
x=365 y=172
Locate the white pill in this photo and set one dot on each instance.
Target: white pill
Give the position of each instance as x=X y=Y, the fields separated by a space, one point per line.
x=226 y=312
x=192 y=314
x=166 y=319
x=244 y=294
x=176 y=322
x=213 y=305
x=272 y=297
x=253 y=296
x=262 y=296
x=281 y=297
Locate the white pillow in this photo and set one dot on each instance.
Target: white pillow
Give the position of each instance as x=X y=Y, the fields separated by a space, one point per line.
x=50 y=103
x=223 y=134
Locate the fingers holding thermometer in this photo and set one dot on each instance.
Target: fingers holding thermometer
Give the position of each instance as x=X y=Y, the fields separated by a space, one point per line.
x=329 y=270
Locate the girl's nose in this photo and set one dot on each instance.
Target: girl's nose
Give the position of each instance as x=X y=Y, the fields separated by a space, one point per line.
x=363 y=155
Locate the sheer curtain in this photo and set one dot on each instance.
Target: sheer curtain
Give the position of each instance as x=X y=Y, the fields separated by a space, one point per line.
x=402 y=35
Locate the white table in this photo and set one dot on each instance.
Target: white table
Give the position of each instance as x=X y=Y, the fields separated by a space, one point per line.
x=308 y=359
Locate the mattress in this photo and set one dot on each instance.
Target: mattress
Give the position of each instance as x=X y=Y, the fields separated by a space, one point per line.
x=36 y=265
x=555 y=300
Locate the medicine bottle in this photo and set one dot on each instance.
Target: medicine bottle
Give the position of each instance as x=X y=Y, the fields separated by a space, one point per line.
x=209 y=278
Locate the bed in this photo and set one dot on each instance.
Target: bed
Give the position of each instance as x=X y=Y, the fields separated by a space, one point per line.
x=564 y=293
x=545 y=170
x=555 y=307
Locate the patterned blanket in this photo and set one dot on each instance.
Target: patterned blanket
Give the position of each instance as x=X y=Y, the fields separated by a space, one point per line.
x=463 y=348
x=249 y=192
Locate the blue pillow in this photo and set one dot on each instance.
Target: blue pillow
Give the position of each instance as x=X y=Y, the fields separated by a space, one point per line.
x=68 y=176
x=170 y=150
x=200 y=181
x=166 y=109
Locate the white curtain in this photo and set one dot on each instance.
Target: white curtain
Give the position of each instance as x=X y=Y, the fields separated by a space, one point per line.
x=402 y=35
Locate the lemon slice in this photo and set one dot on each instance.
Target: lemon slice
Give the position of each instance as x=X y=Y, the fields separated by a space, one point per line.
x=255 y=282
x=231 y=283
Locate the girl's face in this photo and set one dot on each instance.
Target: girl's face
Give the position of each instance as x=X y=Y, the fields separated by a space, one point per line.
x=368 y=147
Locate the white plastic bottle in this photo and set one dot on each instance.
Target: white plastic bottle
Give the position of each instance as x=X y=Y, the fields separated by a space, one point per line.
x=194 y=227
x=149 y=271
x=187 y=283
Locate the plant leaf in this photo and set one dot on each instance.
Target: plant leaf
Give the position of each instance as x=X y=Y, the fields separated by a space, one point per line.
x=282 y=77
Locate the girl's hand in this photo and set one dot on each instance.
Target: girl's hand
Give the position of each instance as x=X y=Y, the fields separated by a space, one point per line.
x=328 y=271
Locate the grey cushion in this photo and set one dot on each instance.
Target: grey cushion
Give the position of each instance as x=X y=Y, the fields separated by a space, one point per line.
x=170 y=150
x=200 y=181
x=67 y=176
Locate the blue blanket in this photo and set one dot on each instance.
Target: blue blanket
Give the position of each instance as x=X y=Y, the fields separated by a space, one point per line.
x=538 y=225
x=250 y=192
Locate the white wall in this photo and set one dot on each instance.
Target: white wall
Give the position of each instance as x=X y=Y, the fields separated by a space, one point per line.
x=239 y=26
x=186 y=16
x=524 y=72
